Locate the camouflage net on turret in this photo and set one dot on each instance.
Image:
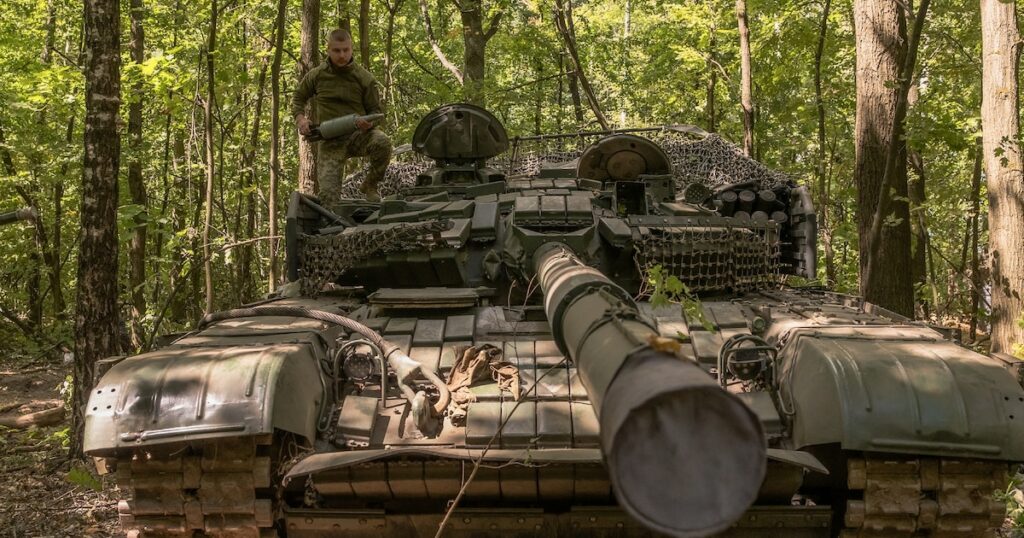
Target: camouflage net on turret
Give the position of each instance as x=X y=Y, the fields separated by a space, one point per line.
x=698 y=158
x=326 y=257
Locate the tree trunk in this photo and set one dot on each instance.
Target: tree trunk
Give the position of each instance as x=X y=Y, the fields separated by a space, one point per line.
x=389 y=58
x=821 y=169
x=921 y=257
x=567 y=30
x=712 y=67
x=973 y=237
x=343 y=15
x=746 y=93
x=136 y=184
x=96 y=320
x=881 y=44
x=1000 y=124
x=475 y=40
x=308 y=59
x=441 y=57
x=364 y=32
x=208 y=105
x=275 y=139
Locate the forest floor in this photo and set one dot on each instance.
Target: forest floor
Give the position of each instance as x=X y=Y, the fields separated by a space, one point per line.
x=41 y=495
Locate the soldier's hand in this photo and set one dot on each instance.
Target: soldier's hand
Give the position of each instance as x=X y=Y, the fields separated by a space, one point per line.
x=364 y=125
x=303 y=123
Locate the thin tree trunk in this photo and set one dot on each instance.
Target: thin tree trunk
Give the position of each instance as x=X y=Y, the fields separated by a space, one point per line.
x=389 y=58
x=923 y=266
x=746 y=91
x=308 y=59
x=364 y=32
x=1000 y=121
x=821 y=170
x=712 y=67
x=275 y=139
x=136 y=184
x=211 y=95
x=975 y=283
x=566 y=29
x=96 y=320
x=441 y=57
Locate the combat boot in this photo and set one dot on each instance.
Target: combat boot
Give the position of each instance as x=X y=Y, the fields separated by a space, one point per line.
x=370 y=191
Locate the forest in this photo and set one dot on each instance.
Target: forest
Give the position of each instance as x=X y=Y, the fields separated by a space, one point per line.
x=152 y=140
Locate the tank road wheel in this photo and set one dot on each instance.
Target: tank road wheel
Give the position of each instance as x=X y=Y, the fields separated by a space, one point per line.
x=221 y=488
x=940 y=497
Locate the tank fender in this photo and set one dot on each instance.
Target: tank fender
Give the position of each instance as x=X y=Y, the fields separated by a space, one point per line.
x=901 y=390
x=186 y=393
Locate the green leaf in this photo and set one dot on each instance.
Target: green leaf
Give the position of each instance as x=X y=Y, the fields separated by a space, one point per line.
x=82 y=477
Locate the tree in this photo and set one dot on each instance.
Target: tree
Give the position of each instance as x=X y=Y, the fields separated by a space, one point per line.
x=275 y=139
x=308 y=58
x=1001 y=134
x=746 y=92
x=821 y=168
x=96 y=319
x=136 y=183
x=475 y=40
x=567 y=30
x=880 y=173
x=208 y=106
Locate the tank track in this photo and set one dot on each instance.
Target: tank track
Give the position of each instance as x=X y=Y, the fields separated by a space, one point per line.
x=217 y=488
x=923 y=497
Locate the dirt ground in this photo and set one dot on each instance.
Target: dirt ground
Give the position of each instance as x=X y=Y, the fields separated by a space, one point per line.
x=37 y=499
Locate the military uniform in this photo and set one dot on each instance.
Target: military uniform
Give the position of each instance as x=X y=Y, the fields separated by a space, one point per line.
x=339 y=91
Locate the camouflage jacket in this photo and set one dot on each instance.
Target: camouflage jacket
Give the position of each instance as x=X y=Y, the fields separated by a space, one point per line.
x=337 y=91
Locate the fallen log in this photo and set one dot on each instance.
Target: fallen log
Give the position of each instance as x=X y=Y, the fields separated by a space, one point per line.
x=46 y=417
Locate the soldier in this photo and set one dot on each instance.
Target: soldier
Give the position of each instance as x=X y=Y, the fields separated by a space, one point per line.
x=340 y=87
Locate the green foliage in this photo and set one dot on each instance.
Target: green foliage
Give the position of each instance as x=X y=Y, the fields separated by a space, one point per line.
x=668 y=290
x=1014 y=500
x=1018 y=348
x=657 y=71
x=80 y=476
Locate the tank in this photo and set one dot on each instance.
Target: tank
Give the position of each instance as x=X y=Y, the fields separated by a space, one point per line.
x=590 y=333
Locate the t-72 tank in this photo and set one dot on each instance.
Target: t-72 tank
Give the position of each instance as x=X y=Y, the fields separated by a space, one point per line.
x=582 y=334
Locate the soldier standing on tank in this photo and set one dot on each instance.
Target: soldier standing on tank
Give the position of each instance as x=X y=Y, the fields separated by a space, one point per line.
x=340 y=87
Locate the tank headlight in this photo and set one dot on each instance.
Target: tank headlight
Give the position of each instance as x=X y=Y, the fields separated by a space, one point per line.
x=359 y=366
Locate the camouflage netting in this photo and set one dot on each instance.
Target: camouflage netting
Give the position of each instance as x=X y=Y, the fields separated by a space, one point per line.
x=327 y=257
x=697 y=159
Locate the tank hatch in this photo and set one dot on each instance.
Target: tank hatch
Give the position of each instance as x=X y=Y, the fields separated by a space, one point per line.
x=460 y=132
x=623 y=157
x=460 y=138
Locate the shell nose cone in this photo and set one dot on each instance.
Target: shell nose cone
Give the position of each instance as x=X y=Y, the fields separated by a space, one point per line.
x=686 y=458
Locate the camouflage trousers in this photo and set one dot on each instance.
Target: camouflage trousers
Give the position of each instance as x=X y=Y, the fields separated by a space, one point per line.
x=373 y=144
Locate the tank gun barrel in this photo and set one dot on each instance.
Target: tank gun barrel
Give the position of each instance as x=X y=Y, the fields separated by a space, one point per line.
x=10 y=217
x=685 y=457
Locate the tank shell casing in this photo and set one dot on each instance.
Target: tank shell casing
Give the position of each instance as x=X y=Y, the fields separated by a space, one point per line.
x=344 y=125
x=685 y=457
